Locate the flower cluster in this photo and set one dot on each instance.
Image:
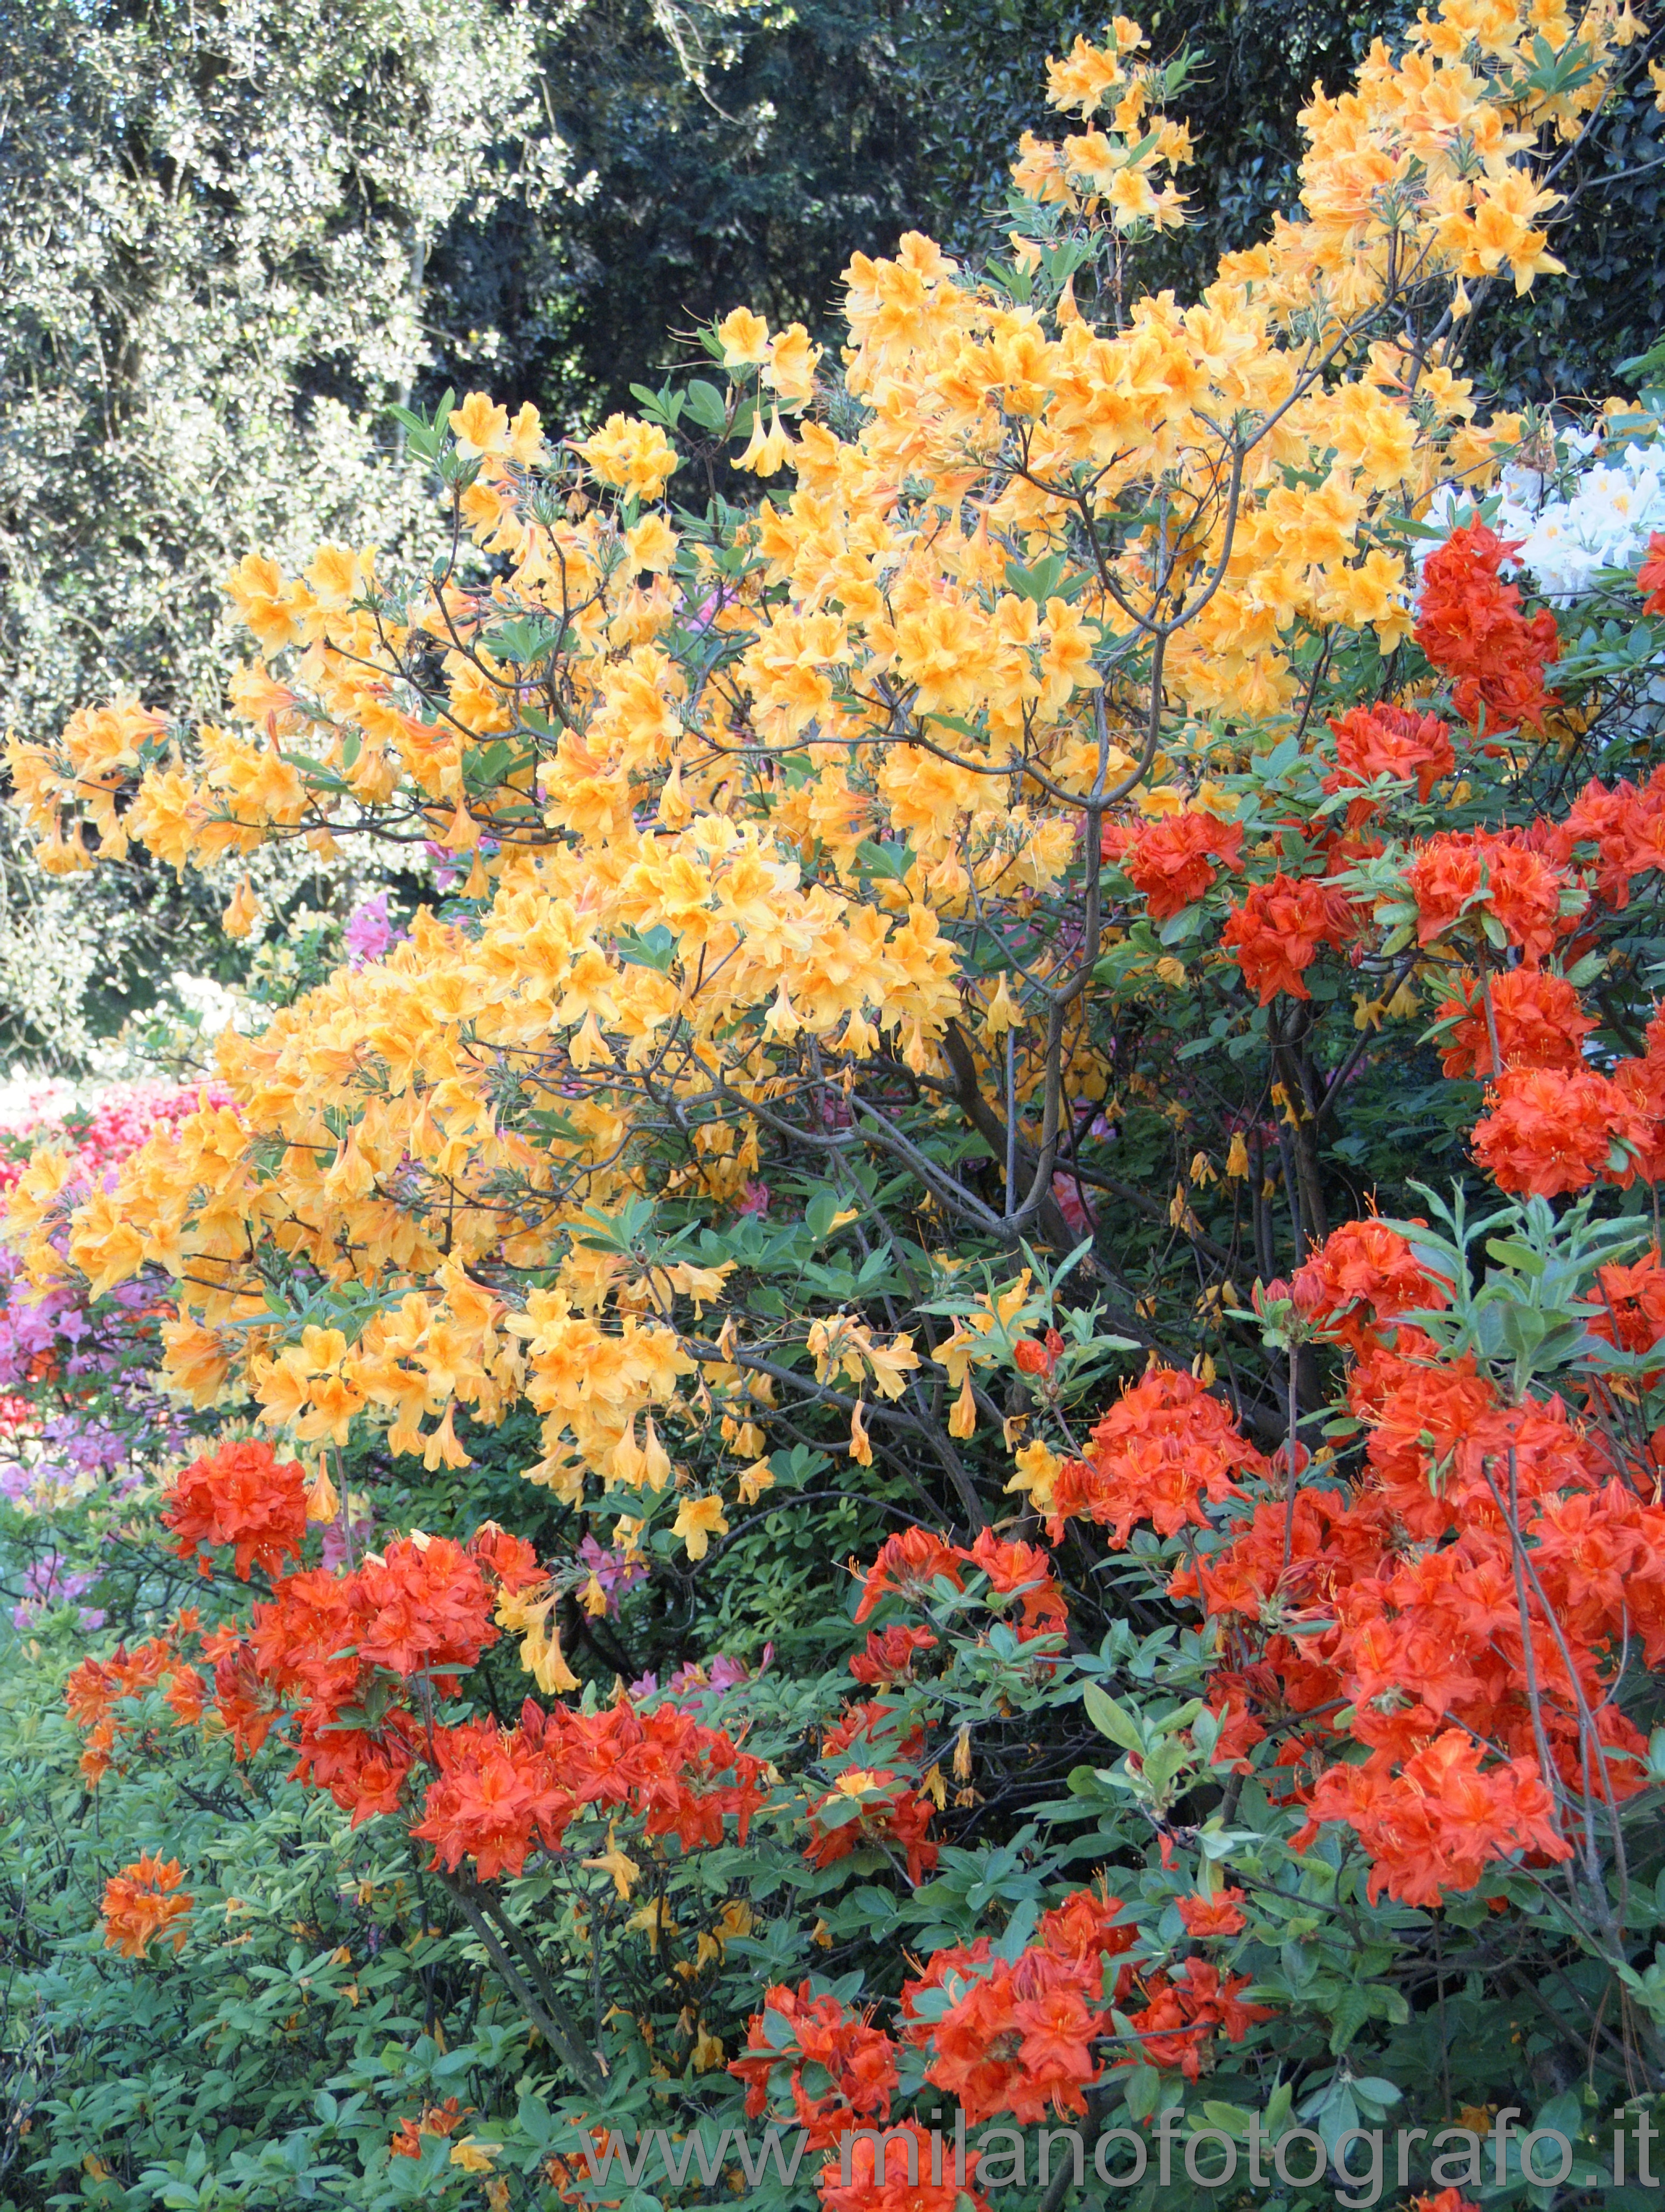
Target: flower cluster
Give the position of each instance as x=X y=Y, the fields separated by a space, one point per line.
x=1442 y=1820
x=432 y=2120
x=97 y=1689
x=1554 y=1129
x=852 y=2064
x=1471 y=626
x=1172 y=862
x=1164 y=1450
x=142 y=1903
x=500 y=1789
x=1185 y=2011
x=1279 y=930
x=1016 y=2036
x=1383 y=740
x=909 y=1566
x=1364 y=1277
x=875 y=1806
x=910 y=2180
x=1459 y=1606
x=421 y=1612
x=244 y=1496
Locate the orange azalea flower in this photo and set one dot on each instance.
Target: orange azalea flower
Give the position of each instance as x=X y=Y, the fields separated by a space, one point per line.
x=908 y=1565
x=140 y=1904
x=1396 y=741
x=1632 y=1301
x=1173 y=861
x=1213 y=1916
x=1471 y=627
x=884 y=1732
x=1548 y=1132
x=908 y=2153
x=1278 y=930
x=1537 y=1016
x=1364 y=1264
x=887 y=1810
x=795 y=2032
x=889 y=1655
x=1178 y=2025
x=1627 y=825
x=1438 y=1825
x=432 y=2120
x=1453 y=877
x=1023 y=1571
x=1017 y=2037
x=97 y=1687
x=1164 y=1448
x=244 y=1496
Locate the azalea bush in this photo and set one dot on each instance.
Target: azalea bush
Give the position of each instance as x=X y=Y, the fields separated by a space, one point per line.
x=942 y=1409
x=79 y=1400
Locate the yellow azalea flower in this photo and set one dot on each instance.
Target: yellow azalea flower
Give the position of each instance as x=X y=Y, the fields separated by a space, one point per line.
x=1038 y=1468
x=765 y=452
x=323 y=1501
x=744 y=339
x=623 y=1869
x=243 y=915
x=1002 y=1012
x=891 y=1364
x=858 y=1782
x=962 y=1419
x=653 y=1920
x=652 y=543
x=697 y=1520
x=336 y=575
x=861 y=1448
x=754 y=1480
x=790 y=369
x=630 y=455
x=540 y=1654
x=656 y=1460
x=479 y=425
x=525 y=441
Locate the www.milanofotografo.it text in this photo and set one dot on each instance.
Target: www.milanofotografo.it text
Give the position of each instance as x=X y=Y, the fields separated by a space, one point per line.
x=1360 y=2164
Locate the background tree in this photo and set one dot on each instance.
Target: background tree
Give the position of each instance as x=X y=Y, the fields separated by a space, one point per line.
x=216 y=229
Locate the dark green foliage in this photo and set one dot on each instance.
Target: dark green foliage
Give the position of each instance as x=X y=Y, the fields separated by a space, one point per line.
x=746 y=161
x=1567 y=337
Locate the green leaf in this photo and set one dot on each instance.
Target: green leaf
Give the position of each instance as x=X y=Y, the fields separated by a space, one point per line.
x=1144 y=2088
x=706 y=405
x=1109 y=1718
